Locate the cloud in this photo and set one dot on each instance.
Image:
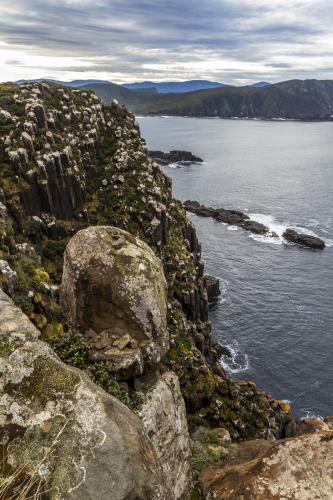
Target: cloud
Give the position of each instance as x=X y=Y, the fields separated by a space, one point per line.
x=126 y=40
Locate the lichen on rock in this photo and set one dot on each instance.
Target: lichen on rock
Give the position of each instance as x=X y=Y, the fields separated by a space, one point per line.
x=62 y=434
x=114 y=292
x=164 y=418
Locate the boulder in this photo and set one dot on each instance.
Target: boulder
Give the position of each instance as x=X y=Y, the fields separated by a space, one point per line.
x=298 y=468
x=255 y=227
x=234 y=217
x=303 y=239
x=62 y=434
x=212 y=286
x=112 y=286
x=164 y=418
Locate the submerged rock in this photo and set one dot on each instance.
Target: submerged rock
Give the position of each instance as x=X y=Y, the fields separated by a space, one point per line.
x=303 y=239
x=175 y=156
x=113 y=287
x=60 y=432
x=297 y=468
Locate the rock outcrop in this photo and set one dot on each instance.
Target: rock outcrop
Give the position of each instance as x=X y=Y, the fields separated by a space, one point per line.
x=60 y=433
x=176 y=156
x=114 y=292
x=232 y=217
x=163 y=415
x=212 y=285
x=297 y=468
x=305 y=240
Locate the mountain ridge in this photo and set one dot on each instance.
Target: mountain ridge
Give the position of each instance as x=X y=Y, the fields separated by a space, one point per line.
x=292 y=99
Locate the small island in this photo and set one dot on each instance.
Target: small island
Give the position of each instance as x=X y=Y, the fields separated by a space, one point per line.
x=175 y=156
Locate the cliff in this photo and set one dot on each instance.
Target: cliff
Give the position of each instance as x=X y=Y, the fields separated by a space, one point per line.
x=132 y=310
x=294 y=99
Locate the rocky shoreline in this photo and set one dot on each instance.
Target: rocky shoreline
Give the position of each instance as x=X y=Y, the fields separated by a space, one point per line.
x=176 y=156
x=237 y=218
x=110 y=378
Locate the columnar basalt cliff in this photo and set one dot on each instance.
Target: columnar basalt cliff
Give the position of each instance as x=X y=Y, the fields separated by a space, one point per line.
x=70 y=163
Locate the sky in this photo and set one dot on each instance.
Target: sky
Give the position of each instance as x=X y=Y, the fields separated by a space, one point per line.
x=236 y=42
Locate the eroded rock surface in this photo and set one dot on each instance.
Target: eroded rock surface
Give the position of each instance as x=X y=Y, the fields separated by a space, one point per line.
x=303 y=239
x=164 y=418
x=294 y=469
x=114 y=291
x=62 y=434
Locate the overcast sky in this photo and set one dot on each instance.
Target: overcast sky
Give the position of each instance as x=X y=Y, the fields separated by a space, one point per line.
x=236 y=42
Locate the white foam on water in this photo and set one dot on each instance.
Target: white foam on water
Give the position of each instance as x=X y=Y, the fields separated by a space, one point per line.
x=309 y=414
x=237 y=362
x=174 y=165
x=278 y=227
x=223 y=289
x=232 y=228
x=274 y=227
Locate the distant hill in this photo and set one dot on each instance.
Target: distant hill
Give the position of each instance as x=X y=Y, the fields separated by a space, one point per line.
x=294 y=99
x=74 y=83
x=151 y=87
x=175 y=87
x=261 y=84
x=131 y=98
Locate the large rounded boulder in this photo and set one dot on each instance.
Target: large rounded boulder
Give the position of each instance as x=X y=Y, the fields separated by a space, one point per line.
x=114 y=292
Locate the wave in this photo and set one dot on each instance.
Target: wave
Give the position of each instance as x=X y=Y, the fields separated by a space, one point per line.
x=309 y=414
x=237 y=362
x=174 y=165
x=182 y=164
x=278 y=227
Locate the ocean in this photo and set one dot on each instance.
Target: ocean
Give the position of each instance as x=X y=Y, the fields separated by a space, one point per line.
x=276 y=308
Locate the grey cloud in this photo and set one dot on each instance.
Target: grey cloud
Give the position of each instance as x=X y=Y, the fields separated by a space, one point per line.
x=121 y=36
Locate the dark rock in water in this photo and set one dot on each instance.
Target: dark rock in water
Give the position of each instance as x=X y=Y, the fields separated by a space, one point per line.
x=175 y=156
x=234 y=217
x=255 y=227
x=212 y=285
x=196 y=208
x=303 y=239
x=226 y=351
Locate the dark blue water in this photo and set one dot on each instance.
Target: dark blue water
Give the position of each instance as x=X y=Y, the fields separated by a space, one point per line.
x=276 y=310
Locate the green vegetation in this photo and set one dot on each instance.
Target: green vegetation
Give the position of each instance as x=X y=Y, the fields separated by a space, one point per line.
x=308 y=100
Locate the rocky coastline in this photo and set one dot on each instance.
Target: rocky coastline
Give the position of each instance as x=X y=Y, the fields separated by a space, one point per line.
x=110 y=378
x=237 y=218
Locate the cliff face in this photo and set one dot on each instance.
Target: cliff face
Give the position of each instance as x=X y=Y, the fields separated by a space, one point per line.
x=69 y=161
x=295 y=99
